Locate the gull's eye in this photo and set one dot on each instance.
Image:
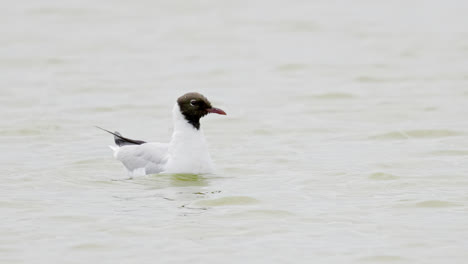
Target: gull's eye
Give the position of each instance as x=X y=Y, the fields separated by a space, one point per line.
x=193 y=102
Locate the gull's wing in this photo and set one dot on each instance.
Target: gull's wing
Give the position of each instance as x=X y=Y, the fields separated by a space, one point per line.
x=139 y=157
x=148 y=158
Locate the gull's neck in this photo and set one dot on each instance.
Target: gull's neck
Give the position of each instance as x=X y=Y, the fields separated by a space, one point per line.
x=182 y=126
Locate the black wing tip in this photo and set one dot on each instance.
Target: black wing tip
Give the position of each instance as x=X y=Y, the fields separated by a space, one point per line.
x=122 y=141
x=103 y=129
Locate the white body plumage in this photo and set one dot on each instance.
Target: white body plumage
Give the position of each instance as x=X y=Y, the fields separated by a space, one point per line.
x=187 y=152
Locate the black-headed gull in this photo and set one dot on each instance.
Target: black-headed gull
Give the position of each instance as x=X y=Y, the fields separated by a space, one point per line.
x=187 y=151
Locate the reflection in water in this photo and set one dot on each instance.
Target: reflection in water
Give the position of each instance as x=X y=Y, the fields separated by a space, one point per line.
x=187 y=180
x=162 y=181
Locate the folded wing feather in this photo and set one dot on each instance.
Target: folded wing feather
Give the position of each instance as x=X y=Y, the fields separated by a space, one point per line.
x=148 y=158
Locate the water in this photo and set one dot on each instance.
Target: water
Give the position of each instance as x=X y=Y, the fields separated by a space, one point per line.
x=346 y=139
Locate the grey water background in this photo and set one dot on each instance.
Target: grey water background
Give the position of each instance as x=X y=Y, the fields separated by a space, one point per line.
x=346 y=139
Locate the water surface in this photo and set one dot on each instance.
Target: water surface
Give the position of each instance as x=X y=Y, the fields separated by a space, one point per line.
x=346 y=139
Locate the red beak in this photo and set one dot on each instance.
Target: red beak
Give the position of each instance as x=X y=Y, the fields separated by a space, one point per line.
x=216 y=111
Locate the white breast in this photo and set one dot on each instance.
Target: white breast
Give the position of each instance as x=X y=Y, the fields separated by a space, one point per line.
x=188 y=151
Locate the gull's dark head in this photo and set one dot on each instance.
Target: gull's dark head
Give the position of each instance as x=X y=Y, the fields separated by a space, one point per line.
x=194 y=106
